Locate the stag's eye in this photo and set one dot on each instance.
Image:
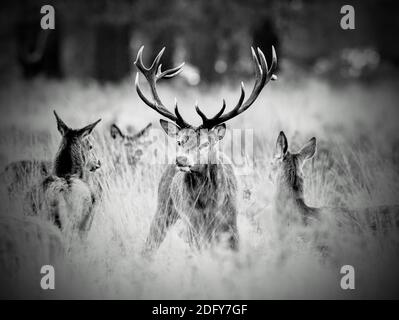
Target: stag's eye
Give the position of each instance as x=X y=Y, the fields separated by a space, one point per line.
x=179 y=143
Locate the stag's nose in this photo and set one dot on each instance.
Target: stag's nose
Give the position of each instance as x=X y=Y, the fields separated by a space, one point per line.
x=182 y=161
x=98 y=165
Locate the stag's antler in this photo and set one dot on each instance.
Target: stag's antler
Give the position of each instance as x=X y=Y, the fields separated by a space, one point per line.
x=263 y=75
x=153 y=74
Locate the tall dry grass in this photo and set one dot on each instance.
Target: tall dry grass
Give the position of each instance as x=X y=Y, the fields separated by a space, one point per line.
x=356 y=166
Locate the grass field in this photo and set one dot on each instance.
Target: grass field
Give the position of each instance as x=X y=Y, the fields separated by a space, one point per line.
x=356 y=166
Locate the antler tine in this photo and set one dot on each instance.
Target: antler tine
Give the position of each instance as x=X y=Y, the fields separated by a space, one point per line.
x=139 y=61
x=170 y=73
x=201 y=114
x=258 y=66
x=152 y=75
x=211 y=122
x=156 y=63
x=274 y=64
x=262 y=76
x=239 y=103
x=182 y=123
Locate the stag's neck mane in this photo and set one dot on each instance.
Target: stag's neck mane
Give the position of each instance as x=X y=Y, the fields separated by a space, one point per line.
x=218 y=165
x=214 y=184
x=68 y=160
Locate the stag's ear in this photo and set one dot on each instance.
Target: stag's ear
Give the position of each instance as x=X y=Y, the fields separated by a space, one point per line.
x=220 y=131
x=61 y=126
x=116 y=132
x=281 y=145
x=84 y=132
x=170 y=128
x=308 y=150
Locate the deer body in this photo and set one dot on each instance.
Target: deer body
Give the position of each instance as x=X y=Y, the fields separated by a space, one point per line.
x=201 y=188
x=69 y=202
x=289 y=202
x=292 y=210
x=67 y=196
x=204 y=200
x=207 y=201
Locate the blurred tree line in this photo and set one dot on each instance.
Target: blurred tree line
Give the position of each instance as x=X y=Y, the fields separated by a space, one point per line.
x=99 y=38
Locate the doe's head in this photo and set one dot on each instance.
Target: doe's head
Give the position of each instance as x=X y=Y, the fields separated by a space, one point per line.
x=132 y=145
x=77 y=148
x=286 y=167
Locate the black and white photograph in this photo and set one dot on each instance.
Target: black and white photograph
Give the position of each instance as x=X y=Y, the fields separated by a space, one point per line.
x=195 y=150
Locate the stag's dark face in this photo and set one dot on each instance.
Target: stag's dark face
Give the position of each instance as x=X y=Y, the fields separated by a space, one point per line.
x=194 y=147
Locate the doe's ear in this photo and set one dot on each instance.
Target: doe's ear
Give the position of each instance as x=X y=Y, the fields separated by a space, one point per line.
x=61 y=126
x=143 y=132
x=308 y=150
x=170 y=128
x=281 y=145
x=84 y=132
x=116 y=132
x=220 y=131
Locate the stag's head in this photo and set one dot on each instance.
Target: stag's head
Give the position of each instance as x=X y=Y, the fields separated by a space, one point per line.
x=76 y=153
x=286 y=167
x=196 y=144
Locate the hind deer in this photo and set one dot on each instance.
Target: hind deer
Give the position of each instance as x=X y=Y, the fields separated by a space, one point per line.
x=116 y=133
x=67 y=196
x=132 y=144
x=200 y=188
x=19 y=176
x=291 y=209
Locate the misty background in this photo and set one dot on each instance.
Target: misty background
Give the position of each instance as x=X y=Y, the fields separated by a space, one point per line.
x=99 y=39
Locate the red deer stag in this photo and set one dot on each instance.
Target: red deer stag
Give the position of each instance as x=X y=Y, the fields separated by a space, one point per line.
x=200 y=188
